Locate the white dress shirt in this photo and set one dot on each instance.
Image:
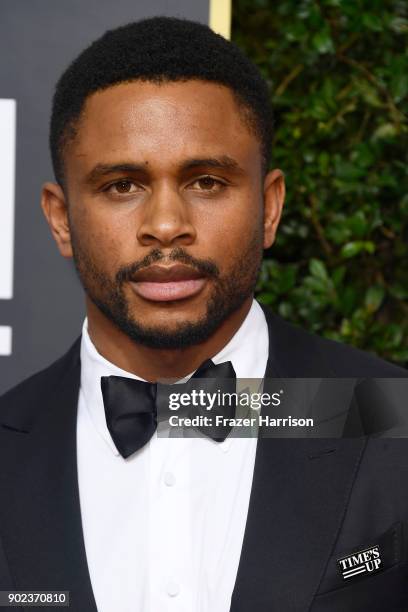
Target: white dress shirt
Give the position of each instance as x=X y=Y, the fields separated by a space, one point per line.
x=164 y=528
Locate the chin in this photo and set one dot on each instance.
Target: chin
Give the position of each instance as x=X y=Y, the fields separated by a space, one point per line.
x=169 y=330
x=168 y=337
x=165 y=326
x=168 y=314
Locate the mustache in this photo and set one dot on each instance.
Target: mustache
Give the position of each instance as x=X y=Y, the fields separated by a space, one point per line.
x=204 y=266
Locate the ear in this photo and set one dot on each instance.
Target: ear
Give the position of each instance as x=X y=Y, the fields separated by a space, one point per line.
x=54 y=207
x=274 y=197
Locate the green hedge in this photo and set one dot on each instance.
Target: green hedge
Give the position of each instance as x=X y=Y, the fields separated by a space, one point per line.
x=338 y=74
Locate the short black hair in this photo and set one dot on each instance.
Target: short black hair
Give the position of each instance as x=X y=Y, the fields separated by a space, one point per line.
x=159 y=49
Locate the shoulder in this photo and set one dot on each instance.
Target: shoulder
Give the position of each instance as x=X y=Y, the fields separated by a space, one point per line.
x=33 y=390
x=302 y=351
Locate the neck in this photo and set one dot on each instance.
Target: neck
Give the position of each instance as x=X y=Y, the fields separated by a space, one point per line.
x=154 y=364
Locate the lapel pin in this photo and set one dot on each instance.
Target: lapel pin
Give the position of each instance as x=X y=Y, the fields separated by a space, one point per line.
x=365 y=561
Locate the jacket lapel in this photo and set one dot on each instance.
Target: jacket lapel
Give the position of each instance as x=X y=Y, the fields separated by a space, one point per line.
x=299 y=494
x=40 y=513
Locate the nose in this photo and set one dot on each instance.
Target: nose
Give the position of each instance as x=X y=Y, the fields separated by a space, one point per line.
x=166 y=221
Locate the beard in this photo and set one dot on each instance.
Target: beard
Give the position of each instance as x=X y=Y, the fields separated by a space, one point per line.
x=228 y=294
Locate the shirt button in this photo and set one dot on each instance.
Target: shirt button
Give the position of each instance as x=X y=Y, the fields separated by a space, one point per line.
x=173 y=589
x=169 y=479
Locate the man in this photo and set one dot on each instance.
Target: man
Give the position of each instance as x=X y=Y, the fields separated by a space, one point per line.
x=160 y=140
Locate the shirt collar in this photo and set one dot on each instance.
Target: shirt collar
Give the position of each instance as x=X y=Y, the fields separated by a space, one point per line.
x=247 y=350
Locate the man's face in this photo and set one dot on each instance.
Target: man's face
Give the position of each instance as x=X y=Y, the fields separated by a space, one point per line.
x=165 y=203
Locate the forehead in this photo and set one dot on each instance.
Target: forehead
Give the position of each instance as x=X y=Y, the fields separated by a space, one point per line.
x=164 y=122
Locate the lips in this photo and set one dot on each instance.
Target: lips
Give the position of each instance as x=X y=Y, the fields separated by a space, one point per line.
x=167 y=283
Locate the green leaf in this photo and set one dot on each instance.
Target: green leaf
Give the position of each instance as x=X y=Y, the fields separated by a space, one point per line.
x=318 y=269
x=324 y=162
x=369 y=93
x=322 y=42
x=348 y=300
x=338 y=276
x=399 y=291
x=285 y=310
x=404 y=204
x=399 y=86
x=369 y=247
x=394 y=336
x=374 y=297
x=266 y=298
x=358 y=224
x=286 y=279
x=351 y=249
x=349 y=171
x=385 y=131
x=316 y=285
x=372 y=22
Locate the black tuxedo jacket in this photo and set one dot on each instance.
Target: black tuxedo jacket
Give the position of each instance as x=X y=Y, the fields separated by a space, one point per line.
x=312 y=501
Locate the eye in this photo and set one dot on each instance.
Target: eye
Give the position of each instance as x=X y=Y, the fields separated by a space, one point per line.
x=124 y=186
x=208 y=183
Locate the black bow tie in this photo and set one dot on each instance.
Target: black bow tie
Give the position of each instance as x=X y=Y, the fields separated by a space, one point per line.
x=131 y=406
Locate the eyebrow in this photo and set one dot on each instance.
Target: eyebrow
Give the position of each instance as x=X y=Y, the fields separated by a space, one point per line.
x=224 y=162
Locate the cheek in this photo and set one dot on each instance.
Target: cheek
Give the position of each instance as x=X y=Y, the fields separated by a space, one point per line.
x=228 y=230
x=104 y=237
